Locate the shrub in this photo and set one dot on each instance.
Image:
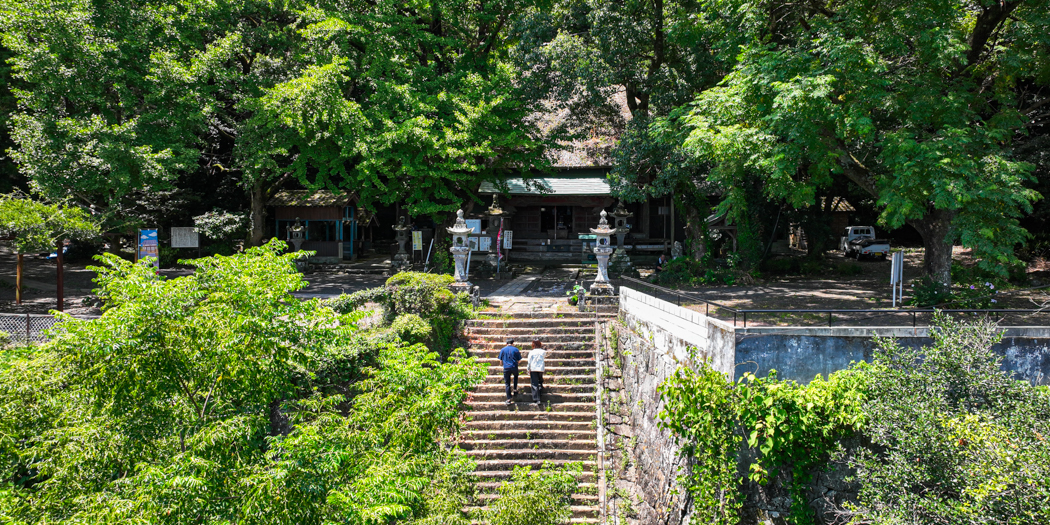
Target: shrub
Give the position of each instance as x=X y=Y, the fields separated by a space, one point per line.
x=954 y=438
x=536 y=498
x=783 y=424
x=411 y=328
x=684 y=271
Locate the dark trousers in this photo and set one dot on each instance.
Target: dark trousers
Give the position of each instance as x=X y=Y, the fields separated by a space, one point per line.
x=537 y=384
x=507 y=374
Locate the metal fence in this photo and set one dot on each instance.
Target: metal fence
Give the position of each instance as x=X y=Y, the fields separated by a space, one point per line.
x=29 y=328
x=903 y=316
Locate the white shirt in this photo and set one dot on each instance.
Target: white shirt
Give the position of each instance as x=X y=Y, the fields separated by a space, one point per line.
x=536 y=356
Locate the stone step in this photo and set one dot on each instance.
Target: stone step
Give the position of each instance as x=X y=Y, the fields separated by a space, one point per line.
x=524 y=334
x=577 y=499
x=551 y=371
x=524 y=388
x=524 y=343
x=478 y=445
x=526 y=405
x=548 y=362
x=578 y=511
x=529 y=434
x=499 y=315
x=523 y=379
x=585 y=353
x=515 y=455
x=509 y=414
x=495 y=347
x=527 y=425
x=555 y=398
x=498 y=476
x=492 y=487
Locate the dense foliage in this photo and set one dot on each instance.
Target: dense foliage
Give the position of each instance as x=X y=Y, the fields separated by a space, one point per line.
x=422 y=295
x=540 y=497
x=917 y=104
x=218 y=397
x=399 y=103
x=939 y=434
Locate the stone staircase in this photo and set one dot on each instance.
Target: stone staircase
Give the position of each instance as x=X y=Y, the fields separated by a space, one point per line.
x=563 y=430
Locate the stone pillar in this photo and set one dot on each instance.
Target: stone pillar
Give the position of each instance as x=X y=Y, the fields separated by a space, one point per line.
x=401 y=261
x=460 y=248
x=602 y=250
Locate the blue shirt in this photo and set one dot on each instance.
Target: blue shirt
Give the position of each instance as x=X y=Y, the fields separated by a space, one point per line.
x=510 y=357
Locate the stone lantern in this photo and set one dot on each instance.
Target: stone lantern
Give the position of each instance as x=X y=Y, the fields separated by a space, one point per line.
x=297 y=234
x=620 y=216
x=621 y=262
x=460 y=249
x=602 y=250
x=401 y=261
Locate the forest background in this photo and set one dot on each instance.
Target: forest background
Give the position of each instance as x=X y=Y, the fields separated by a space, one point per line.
x=929 y=114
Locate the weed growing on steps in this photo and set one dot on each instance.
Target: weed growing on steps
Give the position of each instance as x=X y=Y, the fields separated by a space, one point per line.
x=543 y=497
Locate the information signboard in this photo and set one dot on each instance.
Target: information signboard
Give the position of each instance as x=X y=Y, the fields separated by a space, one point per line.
x=508 y=239
x=185 y=237
x=149 y=246
x=484 y=244
x=417 y=241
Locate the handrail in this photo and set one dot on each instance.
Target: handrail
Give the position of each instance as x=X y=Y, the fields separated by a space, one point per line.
x=830 y=311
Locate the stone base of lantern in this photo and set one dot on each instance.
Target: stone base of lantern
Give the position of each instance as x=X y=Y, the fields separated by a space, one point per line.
x=461 y=286
x=401 y=262
x=599 y=289
x=620 y=264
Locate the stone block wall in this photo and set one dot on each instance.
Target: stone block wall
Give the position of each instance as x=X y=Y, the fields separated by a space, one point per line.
x=649 y=342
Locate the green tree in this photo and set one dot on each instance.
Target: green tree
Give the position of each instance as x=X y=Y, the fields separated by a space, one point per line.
x=414 y=104
x=9 y=177
x=221 y=398
x=916 y=103
x=954 y=438
x=36 y=226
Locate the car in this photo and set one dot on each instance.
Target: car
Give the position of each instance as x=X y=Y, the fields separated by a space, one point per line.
x=860 y=241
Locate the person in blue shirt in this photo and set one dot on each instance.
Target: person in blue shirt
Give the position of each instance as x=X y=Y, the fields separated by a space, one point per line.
x=509 y=356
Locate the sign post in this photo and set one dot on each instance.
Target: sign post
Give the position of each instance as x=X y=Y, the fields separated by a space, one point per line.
x=897 y=277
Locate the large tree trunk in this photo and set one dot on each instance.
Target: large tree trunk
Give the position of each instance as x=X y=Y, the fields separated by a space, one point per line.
x=935 y=228
x=258 y=214
x=696 y=231
x=18 y=280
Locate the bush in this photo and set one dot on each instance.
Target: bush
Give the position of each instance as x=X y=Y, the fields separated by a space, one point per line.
x=536 y=498
x=424 y=295
x=954 y=438
x=411 y=328
x=684 y=271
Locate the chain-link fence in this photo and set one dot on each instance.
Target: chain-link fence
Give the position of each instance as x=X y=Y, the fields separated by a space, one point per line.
x=28 y=328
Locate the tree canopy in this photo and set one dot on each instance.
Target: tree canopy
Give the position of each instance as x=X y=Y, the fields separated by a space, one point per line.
x=219 y=397
x=917 y=104
x=413 y=104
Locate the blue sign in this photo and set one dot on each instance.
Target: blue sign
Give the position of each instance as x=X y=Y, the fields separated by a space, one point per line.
x=149 y=246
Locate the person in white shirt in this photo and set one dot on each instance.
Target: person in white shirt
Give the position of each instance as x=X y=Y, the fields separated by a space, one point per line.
x=535 y=367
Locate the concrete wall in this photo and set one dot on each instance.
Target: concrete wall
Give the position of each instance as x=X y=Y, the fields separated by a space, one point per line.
x=676 y=332
x=802 y=353
x=652 y=339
